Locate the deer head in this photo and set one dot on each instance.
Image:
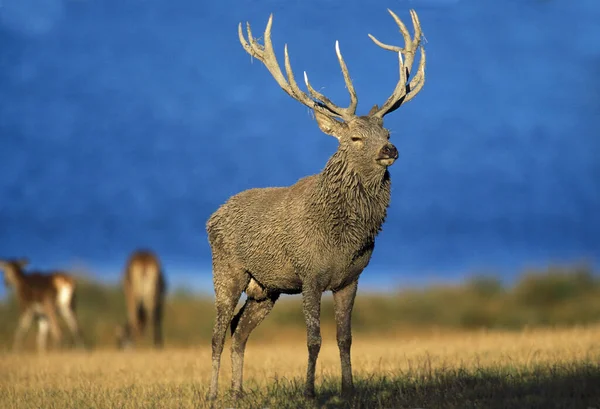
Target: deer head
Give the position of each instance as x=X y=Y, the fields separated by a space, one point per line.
x=363 y=139
x=13 y=268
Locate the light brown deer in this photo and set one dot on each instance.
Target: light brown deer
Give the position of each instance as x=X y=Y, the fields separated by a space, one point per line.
x=40 y=296
x=316 y=235
x=144 y=286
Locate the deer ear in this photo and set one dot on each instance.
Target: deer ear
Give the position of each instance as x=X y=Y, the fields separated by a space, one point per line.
x=22 y=262
x=330 y=125
x=372 y=113
x=373 y=110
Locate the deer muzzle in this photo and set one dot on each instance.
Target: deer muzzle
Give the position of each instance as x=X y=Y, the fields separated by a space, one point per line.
x=387 y=155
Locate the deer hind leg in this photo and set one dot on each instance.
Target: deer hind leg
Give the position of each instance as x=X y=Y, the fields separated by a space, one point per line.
x=123 y=333
x=229 y=282
x=50 y=312
x=42 y=336
x=246 y=320
x=25 y=321
x=311 y=307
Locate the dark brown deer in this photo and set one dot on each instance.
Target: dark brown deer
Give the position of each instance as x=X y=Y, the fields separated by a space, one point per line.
x=144 y=286
x=316 y=235
x=42 y=296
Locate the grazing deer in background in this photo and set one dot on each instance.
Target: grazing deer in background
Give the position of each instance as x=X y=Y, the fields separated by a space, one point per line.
x=39 y=296
x=316 y=235
x=144 y=286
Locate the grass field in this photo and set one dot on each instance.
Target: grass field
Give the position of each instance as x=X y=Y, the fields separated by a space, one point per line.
x=541 y=368
x=555 y=296
x=534 y=343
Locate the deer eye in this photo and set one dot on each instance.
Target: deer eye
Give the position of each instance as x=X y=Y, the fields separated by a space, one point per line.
x=356 y=139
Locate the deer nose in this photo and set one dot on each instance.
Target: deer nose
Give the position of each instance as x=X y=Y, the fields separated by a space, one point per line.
x=389 y=151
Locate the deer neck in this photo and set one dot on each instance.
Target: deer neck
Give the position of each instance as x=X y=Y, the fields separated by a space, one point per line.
x=355 y=200
x=340 y=175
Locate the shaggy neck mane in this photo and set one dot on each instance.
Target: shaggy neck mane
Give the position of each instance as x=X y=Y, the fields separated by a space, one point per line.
x=354 y=200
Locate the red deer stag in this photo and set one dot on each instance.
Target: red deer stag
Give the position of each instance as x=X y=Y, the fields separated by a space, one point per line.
x=40 y=295
x=316 y=235
x=144 y=287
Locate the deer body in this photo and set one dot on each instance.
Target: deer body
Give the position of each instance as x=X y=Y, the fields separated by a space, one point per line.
x=41 y=297
x=316 y=235
x=144 y=287
x=317 y=240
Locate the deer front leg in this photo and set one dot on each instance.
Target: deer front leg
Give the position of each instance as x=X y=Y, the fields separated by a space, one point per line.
x=311 y=305
x=132 y=312
x=23 y=326
x=156 y=319
x=343 y=302
x=42 y=337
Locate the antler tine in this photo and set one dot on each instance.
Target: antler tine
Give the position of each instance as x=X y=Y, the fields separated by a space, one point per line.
x=323 y=99
x=266 y=55
x=418 y=80
x=318 y=102
x=404 y=92
x=353 y=98
x=403 y=30
x=326 y=103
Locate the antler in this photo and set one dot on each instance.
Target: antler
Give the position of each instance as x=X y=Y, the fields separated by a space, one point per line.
x=404 y=92
x=316 y=101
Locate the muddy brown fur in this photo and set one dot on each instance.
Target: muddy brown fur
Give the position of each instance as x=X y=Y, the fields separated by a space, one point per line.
x=314 y=236
x=42 y=297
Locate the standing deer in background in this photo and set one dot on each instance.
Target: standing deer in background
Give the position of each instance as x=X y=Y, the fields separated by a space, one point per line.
x=316 y=235
x=39 y=296
x=144 y=286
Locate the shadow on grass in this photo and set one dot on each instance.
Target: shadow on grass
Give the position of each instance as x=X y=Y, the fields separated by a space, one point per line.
x=553 y=386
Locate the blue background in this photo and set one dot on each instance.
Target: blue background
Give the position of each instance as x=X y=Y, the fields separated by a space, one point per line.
x=126 y=123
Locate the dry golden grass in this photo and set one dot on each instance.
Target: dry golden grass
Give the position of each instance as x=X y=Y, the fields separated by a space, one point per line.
x=537 y=368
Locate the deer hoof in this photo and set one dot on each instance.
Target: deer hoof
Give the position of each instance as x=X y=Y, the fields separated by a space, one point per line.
x=309 y=394
x=237 y=394
x=347 y=392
